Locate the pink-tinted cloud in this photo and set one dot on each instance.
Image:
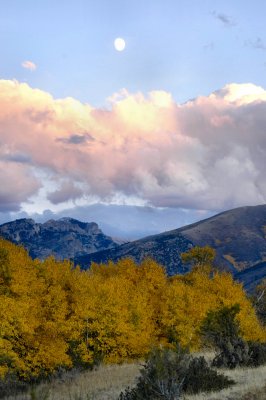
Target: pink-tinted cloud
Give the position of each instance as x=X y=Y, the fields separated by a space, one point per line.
x=29 y=65
x=208 y=153
x=18 y=184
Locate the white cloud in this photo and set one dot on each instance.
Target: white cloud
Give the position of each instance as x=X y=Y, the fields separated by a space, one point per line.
x=29 y=65
x=206 y=154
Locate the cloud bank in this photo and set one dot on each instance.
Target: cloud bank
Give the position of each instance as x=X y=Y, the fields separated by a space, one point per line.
x=208 y=153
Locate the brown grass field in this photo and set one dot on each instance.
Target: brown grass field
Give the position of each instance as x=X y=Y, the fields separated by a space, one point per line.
x=106 y=382
x=250 y=385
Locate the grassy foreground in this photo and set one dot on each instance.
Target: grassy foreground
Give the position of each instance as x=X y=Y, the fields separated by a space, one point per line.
x=106 y=382
x=250 y=385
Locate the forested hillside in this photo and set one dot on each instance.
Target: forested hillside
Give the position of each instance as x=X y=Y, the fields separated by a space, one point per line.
x=55 y=315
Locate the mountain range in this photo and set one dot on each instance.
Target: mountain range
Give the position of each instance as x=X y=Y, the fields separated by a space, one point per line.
x=238 y=236
x=65 y=238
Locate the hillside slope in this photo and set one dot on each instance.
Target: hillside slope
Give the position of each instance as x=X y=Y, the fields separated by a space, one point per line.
x=238 y=236
x=164 y=248
x=252 y=276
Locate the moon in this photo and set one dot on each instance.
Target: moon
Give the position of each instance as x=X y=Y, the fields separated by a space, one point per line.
x=119 y=44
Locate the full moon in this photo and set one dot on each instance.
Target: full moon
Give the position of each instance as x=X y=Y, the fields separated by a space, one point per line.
x=119 y=44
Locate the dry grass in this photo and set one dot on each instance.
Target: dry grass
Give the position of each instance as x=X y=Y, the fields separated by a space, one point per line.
x=106 y=382
x=103 y=383
x=250 y=385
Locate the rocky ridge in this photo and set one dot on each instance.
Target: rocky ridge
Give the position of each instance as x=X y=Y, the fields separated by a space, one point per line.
x=65 y=238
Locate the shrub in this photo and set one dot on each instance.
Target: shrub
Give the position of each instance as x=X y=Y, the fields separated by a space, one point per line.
x=233 y=353
x=257 y=352
x=221 y=329
x=168 y=373
x=162 y=376
x=201 y=378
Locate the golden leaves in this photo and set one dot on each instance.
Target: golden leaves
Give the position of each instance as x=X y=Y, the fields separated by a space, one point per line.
x=54 y=315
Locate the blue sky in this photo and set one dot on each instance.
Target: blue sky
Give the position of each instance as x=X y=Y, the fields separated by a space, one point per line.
x=175 y=123
x=189 y=48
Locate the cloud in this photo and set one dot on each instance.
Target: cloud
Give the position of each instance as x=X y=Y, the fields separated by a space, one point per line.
x=18 y=184
x=29 y=65
x=16 y=158
x=224 y=18
x=208 y=153
x=67 y=191
x=256 y=44
x=76 y=139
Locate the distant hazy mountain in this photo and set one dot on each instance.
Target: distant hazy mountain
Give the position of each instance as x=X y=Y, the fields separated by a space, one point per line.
x=238 y=235
x=64 y=238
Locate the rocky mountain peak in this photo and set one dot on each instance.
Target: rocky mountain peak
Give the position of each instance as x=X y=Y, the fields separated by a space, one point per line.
x=63 y=238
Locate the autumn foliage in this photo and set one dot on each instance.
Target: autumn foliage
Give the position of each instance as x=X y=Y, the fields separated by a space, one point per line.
x=53 y=315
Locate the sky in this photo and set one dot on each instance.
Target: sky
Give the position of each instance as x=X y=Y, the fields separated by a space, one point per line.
x=169 y=131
